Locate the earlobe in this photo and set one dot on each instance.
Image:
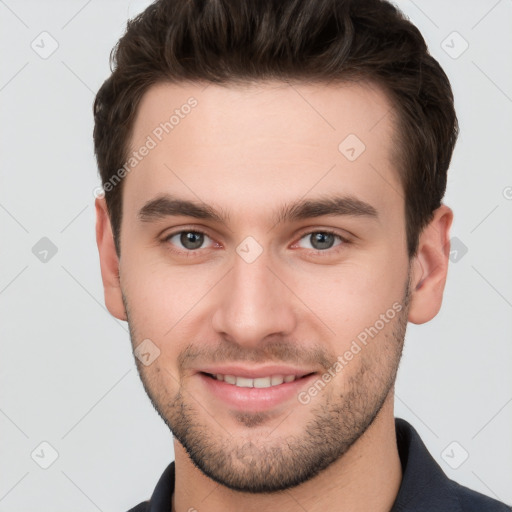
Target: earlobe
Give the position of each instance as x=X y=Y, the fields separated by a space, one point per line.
x=109 y=262
x=430 y=267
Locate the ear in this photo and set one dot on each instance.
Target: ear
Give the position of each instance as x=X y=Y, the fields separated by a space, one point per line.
x=430 y=267
x=109 y=261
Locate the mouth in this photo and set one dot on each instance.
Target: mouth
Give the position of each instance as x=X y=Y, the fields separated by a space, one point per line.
x=254 y=393
x=257 y=382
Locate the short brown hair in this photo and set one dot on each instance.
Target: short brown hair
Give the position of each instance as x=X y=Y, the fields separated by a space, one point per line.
x=228 y=41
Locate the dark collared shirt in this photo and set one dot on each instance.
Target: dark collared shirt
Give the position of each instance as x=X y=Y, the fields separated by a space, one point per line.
x=424 y=487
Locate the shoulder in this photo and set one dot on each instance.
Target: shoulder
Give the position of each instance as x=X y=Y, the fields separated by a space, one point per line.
x=473 y=501
x=141 y=507
x=425 y=486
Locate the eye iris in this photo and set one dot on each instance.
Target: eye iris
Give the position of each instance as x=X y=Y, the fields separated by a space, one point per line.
x=191 y=239
x=322 y=240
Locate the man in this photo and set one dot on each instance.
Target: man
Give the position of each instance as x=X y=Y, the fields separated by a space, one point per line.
x=273 y=176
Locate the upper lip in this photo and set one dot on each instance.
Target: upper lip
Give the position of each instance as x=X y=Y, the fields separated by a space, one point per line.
x=255 y=372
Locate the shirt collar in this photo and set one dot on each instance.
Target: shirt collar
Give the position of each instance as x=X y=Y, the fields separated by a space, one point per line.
x=424 y=485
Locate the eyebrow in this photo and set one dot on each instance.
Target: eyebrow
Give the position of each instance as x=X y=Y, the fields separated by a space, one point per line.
x=169 y=206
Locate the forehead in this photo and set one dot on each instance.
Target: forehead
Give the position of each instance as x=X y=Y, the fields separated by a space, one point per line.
x=234 y=112
x=263 y=142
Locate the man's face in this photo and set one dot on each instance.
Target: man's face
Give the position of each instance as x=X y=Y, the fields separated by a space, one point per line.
x=260 y=295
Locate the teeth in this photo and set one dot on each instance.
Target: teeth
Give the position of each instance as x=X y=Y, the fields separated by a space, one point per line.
x=230 y=379
x=260 y=382
x=276 y=380
x=244 y=382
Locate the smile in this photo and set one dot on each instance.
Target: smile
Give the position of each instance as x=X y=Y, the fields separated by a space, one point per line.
x=260 y=382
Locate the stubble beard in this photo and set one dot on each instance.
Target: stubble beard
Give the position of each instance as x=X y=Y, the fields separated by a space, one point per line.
x=260 y=462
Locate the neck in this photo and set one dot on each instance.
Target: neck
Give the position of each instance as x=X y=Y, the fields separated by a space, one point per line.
x=366 y=478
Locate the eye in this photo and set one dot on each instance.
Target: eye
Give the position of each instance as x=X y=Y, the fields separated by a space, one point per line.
x=189 y=240
x=321 y=240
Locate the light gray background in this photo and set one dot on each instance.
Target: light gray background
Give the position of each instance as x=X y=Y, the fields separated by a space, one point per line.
x=67 y=373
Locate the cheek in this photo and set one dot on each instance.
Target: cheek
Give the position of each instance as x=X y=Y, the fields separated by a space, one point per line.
x=168 y=301
x=160 y=294
x=350 y=297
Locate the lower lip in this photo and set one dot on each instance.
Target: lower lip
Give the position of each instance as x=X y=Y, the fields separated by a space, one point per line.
x=254 y=399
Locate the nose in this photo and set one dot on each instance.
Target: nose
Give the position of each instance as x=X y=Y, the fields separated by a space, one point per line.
x=254 y=303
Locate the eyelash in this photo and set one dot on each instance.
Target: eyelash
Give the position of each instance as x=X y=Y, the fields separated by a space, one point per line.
x=191 y=253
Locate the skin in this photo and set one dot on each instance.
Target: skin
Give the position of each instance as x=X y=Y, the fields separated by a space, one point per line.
x=246 y=151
